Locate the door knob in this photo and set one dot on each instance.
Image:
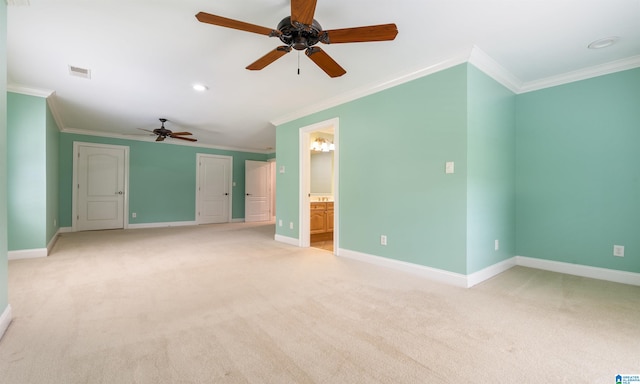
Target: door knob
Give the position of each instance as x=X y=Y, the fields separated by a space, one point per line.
x=248 y=194
x=119 y=193
x=226 y=194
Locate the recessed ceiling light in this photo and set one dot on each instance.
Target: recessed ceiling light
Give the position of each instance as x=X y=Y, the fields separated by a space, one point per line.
x=200 y=87
x=603 y=43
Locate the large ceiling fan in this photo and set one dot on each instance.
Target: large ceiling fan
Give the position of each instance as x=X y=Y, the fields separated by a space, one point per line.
x=301 y=31
x=163 y=133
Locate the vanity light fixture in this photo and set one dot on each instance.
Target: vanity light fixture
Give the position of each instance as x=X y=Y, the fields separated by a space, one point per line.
x=322 y=145
x=604 y=42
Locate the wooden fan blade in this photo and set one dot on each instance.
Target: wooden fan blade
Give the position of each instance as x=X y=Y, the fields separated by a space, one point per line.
x=181 y=133
x=160 y=138
x=269 y=58
x=381 y=32
x=208 y=18
x=146 y=130
x=325 y=62
x=302 y=11
x=181 y=138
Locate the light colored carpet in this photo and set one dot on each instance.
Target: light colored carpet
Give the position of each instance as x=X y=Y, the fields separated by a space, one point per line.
x=228 y=304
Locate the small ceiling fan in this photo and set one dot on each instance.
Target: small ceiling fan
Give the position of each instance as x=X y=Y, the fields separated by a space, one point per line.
x=301 y=31
x=163 y=133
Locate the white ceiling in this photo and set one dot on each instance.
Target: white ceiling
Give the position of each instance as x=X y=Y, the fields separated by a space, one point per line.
x=145 y=55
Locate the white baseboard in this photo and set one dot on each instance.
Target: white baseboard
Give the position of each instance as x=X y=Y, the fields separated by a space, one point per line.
x=162 y=225
x=5 y=320
x=613 y=275
x=468 y=281
x=440 y=275
x=27 y=254
x=33 y=253
x=65 y=229
x=240 y=220
x=52 y=242
x=490 y=271
x=287 y=240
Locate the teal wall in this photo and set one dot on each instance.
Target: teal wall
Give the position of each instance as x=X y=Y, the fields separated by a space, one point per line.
x=162 y=178
x=27 y=173
x=578 y=176
x=4 y=297
x=52 y=154
x=393 y=148
x=491 y=171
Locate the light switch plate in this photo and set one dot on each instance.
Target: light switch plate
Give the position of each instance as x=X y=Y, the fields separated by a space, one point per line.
x=449 y=167
x=282 y=169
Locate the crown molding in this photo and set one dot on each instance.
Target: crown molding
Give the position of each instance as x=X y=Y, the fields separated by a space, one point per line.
x=150 y=139
x=493 y=69
x=582 y=74
x=17 y=88
x=478 y=58
x=44 y=93
x=55 y=111
x=371 y=89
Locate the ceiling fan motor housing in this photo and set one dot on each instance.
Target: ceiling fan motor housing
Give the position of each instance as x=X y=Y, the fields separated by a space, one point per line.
x=299 y=36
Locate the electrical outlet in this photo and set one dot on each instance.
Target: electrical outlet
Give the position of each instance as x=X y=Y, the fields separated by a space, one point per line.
x=134 y=215
x=496 y=244
x=383 y=239
x=280 y=223
x=618 y=250
x=291 y=225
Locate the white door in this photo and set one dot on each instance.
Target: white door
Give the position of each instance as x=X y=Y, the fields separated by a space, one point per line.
x=213 y=189
x=257 y=199
x=100 y=179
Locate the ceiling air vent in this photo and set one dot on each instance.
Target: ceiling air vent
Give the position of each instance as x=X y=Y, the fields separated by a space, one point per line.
x=80 y=72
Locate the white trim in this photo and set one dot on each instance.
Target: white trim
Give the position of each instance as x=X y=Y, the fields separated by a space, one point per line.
x=613 y=275
x=287 y=240
x=149 y=139
x=440 y=275
x=17 y=88
x=199 y=157
x=33 y=253
x=74 y=198
x=493 y=69
x=5 y=320
x=370 y=89
x=65 y=229
x=490 y=271
x=163 y=224
x=304 y=159
x=480 y=60
x=238 y=220
x=27 y=254
x=582 y=74
x=52 y=101
x=52 y=242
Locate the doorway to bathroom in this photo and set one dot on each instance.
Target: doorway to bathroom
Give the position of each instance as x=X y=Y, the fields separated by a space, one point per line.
x=319 y=212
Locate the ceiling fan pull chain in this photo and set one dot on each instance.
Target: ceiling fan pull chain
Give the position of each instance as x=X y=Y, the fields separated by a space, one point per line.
x=298 y=63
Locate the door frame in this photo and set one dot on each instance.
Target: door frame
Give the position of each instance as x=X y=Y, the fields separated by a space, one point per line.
x=199 y=156
x=74 y=198
x=304 y=237
x=269 y=187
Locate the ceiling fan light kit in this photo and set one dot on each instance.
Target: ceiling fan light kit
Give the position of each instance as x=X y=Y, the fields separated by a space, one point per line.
x=301 y=31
